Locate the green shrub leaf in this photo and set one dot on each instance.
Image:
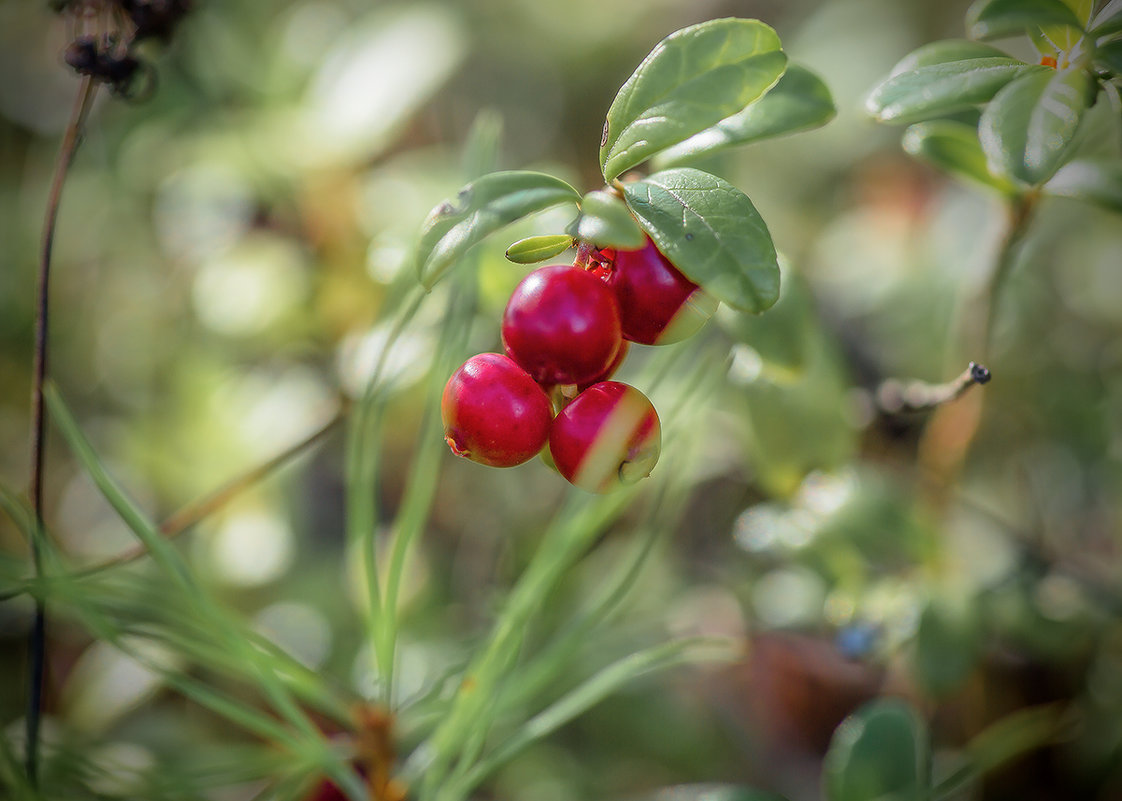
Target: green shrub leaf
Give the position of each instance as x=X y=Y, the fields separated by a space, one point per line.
x=953 y=147
x=481 y=208
x=1098 y=182
x=1028 y=128
x=1109 y=56
x=710 y=231
x=710 y=792
x=948 y=642
x=534 y=249
x=799 y=101
x=1108 y=21
x=992 y=19
x=605 y=221
x=879 y=752
x=691 y=80
x=938 y=89
x=944 y=52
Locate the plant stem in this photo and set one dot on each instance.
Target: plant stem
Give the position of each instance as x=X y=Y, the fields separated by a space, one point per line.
x=38 y=638
x=1020 y=212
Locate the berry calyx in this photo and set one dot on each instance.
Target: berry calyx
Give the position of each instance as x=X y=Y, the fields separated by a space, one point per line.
x=658 y=305
x=608 y=437
x=562 y=325
x=494 y=413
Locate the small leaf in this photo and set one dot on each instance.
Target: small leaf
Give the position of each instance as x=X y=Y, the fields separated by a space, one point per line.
x=948 y=642
x=710 y=231
x=1098 y=182
x=799 y=101
x=533 y=249
x=710 y=792
x=879 y=752
x=938 y=89
x=944 y=52
x=1028 y=128
x=691 y=80
x=481 y=208
x=605 y=221
x=1109 y=56
x=993 y=19
x=953 y=147
x=1108 y=21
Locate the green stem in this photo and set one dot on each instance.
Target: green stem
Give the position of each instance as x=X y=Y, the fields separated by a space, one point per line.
x=1019 y=214
x=38 y=637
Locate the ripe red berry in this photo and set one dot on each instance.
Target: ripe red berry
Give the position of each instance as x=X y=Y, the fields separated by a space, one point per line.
x=657 y=304
x=609 y=436
x=562 y=325
x=494 y=413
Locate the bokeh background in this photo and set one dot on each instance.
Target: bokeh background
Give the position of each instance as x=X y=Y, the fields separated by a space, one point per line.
x=223 y=276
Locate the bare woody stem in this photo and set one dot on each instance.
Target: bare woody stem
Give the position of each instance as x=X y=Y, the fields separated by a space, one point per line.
x=38 y=636
x=896 y=397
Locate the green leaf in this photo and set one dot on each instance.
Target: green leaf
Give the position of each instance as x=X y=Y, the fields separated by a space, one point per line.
x=710 y=792
x=1108 y=21
x=481 y=150
x=691 y=80
x=1064 y=36
x=799 y=101
x=993 y=19
x=944 y=52
x=953 y=147
x=880 y=752
x=948 y=642
x=1098 y=182
x=1029 y=127
x=1109 y=56
x=605 y=221
x=710 y=231
x=938 y=89
x=481 y=208
x=534 y=249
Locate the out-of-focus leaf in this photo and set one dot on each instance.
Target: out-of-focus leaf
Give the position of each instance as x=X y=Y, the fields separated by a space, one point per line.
x=605 y=221
x=1065 y=36
x=481 y=150
x=938 y=89
x=1108 y=21
x=798 y=102
x=710 y=231
x=691 y=80
x=710 y=792
x=1098 y=182
x=944 y=52
x=948 y=641
x=992 y=19
x=1028 y=128
x=534 y=249
x=481 y=208
x=954 y=148
x=1109 y=56
x=880 y=752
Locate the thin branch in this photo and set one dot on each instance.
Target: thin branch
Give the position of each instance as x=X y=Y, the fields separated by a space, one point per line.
x=895 y=396
x=38 y=638
x=1020 y=212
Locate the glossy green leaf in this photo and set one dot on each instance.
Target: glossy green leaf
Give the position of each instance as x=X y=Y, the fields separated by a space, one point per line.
x=710 y=231
x=948 y=643
x=938 y=89
x=953 y=147
x=1108 y=21
x=1109 y=56
x=481 y=208
x=946 y=51
x=1065 y=36
x=534 y=249
x=1028 y=128
x=605 y=221
x=691 y=80
x=799 y=101
x=880 y=752
x=992 y=19
x=1098 y=182
x=710 y=792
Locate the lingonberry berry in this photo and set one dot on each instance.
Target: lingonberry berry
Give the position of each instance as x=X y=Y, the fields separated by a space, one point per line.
x=562 y=325
x=607 y=437
x=657 y=304
x=494 y=413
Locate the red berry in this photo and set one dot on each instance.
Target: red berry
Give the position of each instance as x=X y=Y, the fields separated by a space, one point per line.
x=562 y=325
x=657 y=304
x=494 y=413
x=607 y=437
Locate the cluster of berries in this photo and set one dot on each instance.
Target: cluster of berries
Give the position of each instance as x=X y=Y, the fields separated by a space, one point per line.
x=565 y=331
